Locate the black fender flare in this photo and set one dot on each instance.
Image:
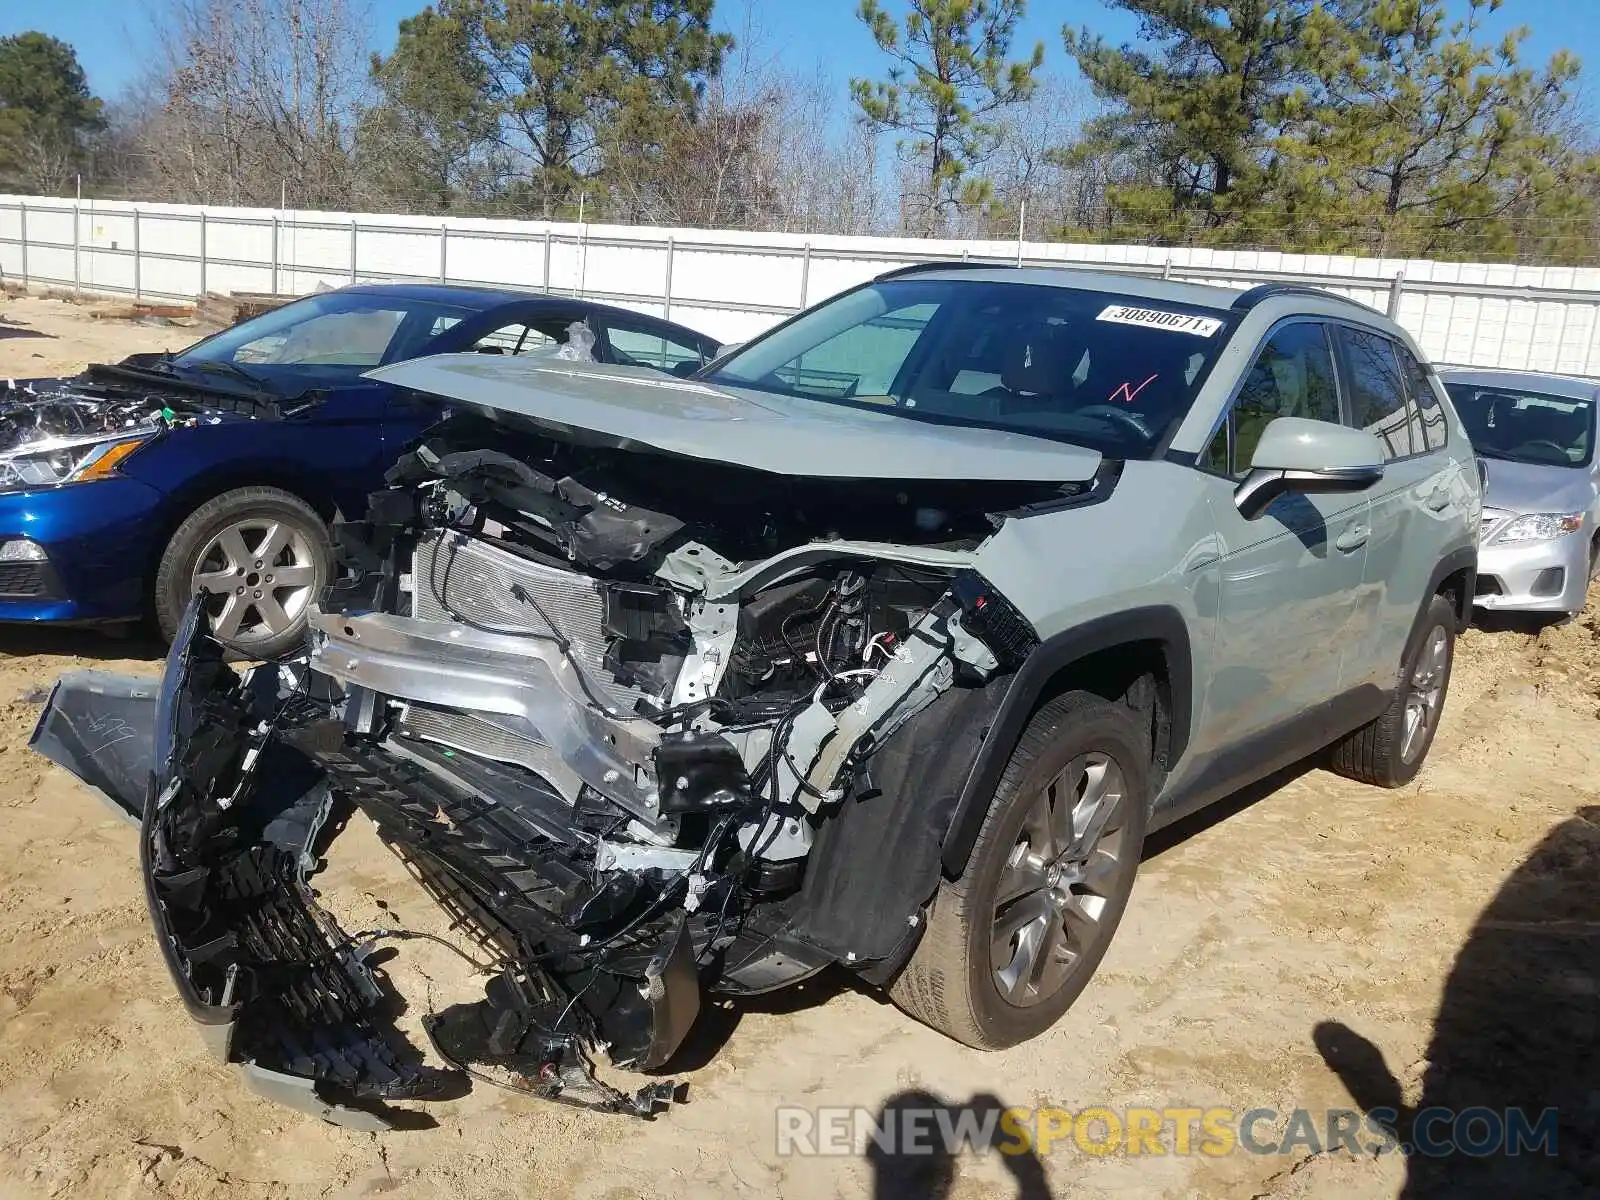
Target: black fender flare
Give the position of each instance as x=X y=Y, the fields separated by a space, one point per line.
x=1463 y=559
x=1161 y=623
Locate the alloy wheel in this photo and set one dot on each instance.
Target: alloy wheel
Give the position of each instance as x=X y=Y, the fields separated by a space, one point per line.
x=258 y=575
x=1057 y=884
x=1425 y=692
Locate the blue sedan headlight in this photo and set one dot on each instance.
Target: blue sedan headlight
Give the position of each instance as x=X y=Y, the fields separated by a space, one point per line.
x=56 y=461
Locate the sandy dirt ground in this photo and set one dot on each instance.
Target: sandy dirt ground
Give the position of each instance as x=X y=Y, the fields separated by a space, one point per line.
x=1315 y=944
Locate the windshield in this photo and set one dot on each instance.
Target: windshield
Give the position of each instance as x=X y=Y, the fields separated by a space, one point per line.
x=1112 y=372
x=323 y=339
x=1526 y=427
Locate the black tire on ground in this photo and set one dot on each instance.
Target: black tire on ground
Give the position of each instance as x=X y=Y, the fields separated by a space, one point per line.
x=952 y=982
x=304 y=566
x=1378 y=753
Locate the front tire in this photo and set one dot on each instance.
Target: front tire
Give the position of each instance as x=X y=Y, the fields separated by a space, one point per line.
x=261 y=556
x=1011 y=944
x=1389 y=751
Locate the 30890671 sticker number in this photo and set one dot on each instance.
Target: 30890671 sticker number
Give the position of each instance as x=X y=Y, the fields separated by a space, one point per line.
x=1155 y=318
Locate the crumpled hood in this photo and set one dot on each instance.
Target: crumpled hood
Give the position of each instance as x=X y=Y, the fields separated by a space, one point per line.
x=630 y=407
x=1529 y=488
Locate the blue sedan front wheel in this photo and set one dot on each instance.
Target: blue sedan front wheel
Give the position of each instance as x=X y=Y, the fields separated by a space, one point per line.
x=260 y=556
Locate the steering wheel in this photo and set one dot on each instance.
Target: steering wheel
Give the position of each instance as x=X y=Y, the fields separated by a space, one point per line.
x=1555 y=448
x=1117 y=416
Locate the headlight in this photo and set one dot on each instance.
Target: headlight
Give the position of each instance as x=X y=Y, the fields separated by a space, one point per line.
x=56 y=461
x=1540 y=527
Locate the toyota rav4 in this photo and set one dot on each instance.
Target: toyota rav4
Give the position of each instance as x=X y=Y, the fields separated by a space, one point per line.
x=882 y=642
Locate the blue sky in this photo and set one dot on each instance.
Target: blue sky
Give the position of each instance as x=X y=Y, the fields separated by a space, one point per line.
x=113 y=37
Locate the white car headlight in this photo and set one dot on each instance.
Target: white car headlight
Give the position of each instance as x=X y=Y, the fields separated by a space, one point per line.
x=55 y=461
x=1540 y=527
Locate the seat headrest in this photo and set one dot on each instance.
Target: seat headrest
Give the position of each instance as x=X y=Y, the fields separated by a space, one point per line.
x=1040 y=362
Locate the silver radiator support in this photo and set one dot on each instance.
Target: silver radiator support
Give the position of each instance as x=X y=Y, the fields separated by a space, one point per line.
x=527 y=684
x=453 y=573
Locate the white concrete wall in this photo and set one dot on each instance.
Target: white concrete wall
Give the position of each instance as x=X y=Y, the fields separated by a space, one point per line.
x=734 y=284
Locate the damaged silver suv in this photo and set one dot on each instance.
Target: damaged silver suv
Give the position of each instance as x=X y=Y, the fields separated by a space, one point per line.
x=882 y=642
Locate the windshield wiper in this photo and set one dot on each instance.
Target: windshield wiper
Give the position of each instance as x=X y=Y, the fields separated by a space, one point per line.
x=168 y=378
x=220 y=366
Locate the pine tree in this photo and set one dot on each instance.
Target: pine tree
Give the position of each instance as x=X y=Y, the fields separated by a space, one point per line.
x=47 y=113
x=1442 y=143
x=949 y=77
x=1194 y=120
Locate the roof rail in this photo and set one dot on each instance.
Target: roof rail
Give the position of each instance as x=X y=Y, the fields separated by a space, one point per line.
x=1265 y=291
x=954 y=264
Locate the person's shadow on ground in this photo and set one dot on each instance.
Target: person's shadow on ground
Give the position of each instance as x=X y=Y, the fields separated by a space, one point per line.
x=928 y=1172
x=1518 y=1028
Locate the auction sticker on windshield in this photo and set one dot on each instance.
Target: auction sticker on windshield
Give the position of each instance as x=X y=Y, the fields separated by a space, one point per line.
x=1154 y=318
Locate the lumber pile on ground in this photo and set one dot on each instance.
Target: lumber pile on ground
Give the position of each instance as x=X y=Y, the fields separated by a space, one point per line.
x=218 y=309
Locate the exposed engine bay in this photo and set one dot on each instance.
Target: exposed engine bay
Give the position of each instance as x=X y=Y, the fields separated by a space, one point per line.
x=639 y=726
x=51 y=429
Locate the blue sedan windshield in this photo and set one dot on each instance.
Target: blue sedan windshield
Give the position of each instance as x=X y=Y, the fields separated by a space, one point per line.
x=327 y=338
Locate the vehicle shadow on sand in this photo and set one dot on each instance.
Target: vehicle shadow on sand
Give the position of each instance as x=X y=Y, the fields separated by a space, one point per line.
x=11 y=329
x=1518 y=1028
x=130 y=642
x=720 y=1016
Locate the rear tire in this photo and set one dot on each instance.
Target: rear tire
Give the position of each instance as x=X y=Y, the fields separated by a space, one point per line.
x=262 y=555
x=973 y=976
x=1389 y=751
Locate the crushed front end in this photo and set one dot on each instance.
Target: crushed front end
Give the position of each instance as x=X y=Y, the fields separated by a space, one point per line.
x=641 y=728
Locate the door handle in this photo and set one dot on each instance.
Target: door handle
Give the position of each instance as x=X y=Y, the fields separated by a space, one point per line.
x=1353 y=538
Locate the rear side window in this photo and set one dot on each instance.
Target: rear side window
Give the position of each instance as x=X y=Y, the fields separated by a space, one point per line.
x=520 y=337
x=1378 y=402
x=1430 y=416
x=1292 y=376
x=644 y=346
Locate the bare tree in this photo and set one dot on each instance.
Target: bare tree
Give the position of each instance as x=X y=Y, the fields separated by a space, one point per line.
x=1026 y=174
x=254 y=95
x=767 y=149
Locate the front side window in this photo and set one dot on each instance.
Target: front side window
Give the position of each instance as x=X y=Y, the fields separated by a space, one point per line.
x=1293 y=376
x=1378 y=401
x=1524 y=426
x=1109 y=371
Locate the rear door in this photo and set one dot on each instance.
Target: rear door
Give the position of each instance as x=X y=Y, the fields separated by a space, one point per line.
x=514 y=331
x=1415 y=507
x=1289 y=578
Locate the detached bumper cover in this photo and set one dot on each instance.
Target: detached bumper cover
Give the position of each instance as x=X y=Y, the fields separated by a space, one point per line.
x=231 y=813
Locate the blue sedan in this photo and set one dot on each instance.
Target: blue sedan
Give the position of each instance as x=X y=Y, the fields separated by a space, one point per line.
x=216 y=469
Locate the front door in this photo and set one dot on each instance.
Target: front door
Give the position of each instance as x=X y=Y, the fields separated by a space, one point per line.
x=1288 y=578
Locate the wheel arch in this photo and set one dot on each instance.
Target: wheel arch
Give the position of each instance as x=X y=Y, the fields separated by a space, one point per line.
x=1455 y=576
x=182 y=500
x=1109 y=654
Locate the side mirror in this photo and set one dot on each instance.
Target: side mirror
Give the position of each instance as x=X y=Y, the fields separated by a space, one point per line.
x=1299 y=455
